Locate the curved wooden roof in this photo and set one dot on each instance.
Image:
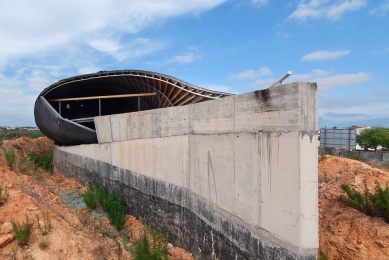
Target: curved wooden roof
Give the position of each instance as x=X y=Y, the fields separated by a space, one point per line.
x=78 y=99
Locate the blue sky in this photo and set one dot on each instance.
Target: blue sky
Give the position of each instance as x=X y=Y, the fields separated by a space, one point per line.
x=228 y=45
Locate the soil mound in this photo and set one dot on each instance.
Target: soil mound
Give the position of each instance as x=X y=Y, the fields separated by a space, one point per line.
x=346 y=233
x=75 y=233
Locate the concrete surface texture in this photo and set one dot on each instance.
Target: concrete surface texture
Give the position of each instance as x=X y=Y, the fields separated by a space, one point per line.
x=250 y=160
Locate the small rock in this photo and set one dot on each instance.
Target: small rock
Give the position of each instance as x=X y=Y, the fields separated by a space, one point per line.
x=380 y=243
x=4 y=240
x=169 y=245
x=6 y=228
x=9 y=186
x=32 y=208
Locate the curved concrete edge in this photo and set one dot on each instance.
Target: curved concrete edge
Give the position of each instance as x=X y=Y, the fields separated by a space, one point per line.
x=199 y=226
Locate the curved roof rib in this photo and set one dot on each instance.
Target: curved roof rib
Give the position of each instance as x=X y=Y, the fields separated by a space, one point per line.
x=75 y=101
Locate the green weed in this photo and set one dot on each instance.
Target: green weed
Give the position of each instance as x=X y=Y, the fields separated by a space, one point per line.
x=43 y=245
x=357 y=158
x=22 y=231
x=46 y=228
x=324 y=256
x=9 y=157
x=376 y=204
x=112 y=203
x=323 y=155
x=44 y=161
x=119 y=247
x=4 y=195
x=155 y=250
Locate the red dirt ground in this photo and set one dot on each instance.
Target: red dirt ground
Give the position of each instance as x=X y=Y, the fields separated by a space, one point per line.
x=74 y=234
x=344 y=232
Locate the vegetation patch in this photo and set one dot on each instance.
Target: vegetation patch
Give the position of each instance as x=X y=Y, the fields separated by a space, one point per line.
x=357 y=158
x=146 y=249
x=4 y=195
x=22 y=231
x=16 y=133
x=112 y=203
x=9 y=157
x=45 y=227
x=376 y=204
x=45 y=161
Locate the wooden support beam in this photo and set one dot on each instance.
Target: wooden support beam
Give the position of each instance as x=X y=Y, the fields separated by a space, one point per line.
x=104 y=97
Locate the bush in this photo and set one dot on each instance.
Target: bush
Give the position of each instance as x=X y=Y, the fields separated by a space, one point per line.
x=22 y=232
x=376 y=204
x=44 y=161
x=4 y=195
x=357 y=158
x=112 y=203
x=46 y=228
x=155 y=251
x=9 y=157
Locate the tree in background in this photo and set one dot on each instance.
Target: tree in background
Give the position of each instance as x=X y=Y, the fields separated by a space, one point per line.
x=373 y=137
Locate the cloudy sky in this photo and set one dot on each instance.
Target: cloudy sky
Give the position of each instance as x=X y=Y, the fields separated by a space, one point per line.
x=228 y=45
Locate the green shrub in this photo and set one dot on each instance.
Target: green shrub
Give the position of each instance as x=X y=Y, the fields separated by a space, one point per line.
x=4 y=195
x=9 y=157
x=44 y=161
x=323 y=155
x=46 y=228
x=357 y=158
x=376 y=204
x=154 y=251
x=15 y=134
x=22 y=232
x=112 y=203
x=324 y=256
x=43 y=245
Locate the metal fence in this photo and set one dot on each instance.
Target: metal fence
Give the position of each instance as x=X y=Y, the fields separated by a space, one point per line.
x=338 y=138
x=366 y=155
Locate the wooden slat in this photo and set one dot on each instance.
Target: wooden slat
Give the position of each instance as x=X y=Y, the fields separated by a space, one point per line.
x=104 y=97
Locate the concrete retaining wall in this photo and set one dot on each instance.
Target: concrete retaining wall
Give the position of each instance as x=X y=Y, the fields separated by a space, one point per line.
x=234 y=178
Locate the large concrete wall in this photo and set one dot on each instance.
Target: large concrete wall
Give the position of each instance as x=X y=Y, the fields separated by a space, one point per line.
x=234 y=178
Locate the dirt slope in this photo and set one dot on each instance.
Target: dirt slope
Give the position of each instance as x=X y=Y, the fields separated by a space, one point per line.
x=345 y=232
x=74 y=234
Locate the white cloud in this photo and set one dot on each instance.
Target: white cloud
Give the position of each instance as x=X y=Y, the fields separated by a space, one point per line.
x=250 y=74
x=105 y=45
x=263 y=82
x=324 y=8
x=326 y=81
x=324 y=55
x=29 y=28
x=187 y=58
x=381 y=10
x=259 y=2
x=88 y=69
x=220 y=88
x=38 y=83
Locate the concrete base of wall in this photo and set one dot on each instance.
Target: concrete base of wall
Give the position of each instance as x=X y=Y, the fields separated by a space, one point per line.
x=197 y=226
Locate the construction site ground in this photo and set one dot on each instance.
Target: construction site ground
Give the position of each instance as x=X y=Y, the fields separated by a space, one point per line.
x=344 y=233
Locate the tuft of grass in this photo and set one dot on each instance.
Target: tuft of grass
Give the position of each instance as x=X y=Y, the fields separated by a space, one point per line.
x=112 y=203
x=15 y=134
x=119 y=247
x=44 y=161
x=372 y=204
x=324 y=256
x=22 y=231
x=357 y=158
x=154 y=250
x=46 y=228
x=43 y=245
x=4 y=195
x=9 y=157
x=323 y=155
